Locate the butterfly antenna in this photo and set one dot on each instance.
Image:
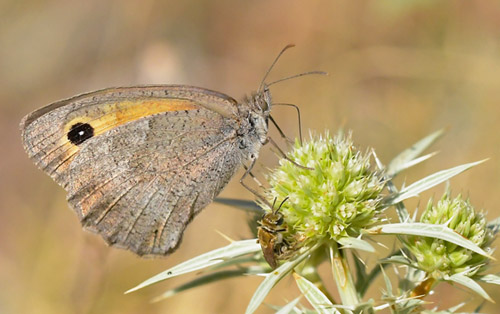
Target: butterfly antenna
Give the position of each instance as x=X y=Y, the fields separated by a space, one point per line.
x=272 y=65
x=298 y=75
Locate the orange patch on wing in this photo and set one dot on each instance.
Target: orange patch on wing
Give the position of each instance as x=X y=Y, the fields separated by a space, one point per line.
x=108 y=116
x=129 y=110
x=104 y=117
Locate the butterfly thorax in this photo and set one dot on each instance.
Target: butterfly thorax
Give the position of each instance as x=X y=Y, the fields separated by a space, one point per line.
x=253 y=127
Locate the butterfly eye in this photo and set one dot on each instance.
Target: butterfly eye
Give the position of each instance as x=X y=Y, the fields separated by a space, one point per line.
x=252 y=122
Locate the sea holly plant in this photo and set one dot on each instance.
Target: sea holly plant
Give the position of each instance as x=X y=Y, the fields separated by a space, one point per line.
x=335 y=201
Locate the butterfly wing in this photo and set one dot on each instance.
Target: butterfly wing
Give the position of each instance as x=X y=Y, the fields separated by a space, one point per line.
x=138 y=163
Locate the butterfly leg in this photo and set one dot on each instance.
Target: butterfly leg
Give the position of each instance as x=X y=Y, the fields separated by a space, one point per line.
x=253 y=191
x=288 y=140
x=298 y=118
x=261 y=186
x=285 y=156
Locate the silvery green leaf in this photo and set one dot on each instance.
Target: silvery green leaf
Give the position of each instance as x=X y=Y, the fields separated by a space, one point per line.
x=318 y=300
x=290 y=307
x=428 y=182
x=365 y=307
x=408 y=157
x=407 y=305
x=238 y=261
x=452 y=309
x=401 y=210
x=361 y=275
x=490 y=278
x=387 y=281
x=356 y=243
x=396 y=259
x=273 y=278
x=469 y=283
x=201 y=281
x=410 y=164
x=236 y=248
x=428 y=230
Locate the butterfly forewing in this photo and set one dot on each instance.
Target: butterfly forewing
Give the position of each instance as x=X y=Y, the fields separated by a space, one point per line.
x=139 y=163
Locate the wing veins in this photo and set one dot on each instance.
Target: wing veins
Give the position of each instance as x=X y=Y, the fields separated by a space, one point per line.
x=206 y=152
x=125 y=149
x=121 y=195
x=115 y=201
x=53 y=171
x=170 y=213
x=142 y=209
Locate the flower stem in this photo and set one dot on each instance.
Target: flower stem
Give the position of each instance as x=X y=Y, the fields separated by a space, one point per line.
x=343 y=277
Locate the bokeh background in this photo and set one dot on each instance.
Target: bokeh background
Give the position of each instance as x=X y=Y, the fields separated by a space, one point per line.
x=398 y=71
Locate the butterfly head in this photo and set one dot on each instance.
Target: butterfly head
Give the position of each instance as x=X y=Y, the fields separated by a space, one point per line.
x=260 y=108
x=260 y=102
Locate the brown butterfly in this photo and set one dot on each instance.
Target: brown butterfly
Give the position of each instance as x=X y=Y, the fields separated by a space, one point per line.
x=138 y=163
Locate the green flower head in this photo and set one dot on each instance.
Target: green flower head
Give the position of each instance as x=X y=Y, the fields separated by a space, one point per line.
x=438 y=257
x=335 y=194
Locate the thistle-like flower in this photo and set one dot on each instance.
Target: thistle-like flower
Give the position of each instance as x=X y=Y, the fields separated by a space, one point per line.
x=440 y=258
x=334 y=195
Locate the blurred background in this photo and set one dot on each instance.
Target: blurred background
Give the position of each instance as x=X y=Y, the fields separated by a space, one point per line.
x=399 y=70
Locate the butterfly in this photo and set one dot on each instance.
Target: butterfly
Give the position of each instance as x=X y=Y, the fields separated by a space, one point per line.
x=138 y=163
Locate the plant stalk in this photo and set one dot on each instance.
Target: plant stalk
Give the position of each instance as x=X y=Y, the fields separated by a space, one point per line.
x=343 y=277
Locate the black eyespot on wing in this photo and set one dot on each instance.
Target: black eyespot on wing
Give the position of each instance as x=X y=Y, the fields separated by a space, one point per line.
x=80 y=132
